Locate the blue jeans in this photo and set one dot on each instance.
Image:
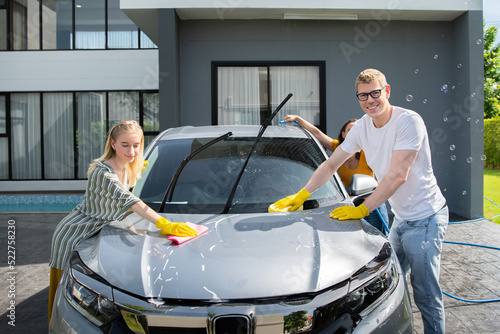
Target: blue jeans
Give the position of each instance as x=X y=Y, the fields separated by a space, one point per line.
x=374 y=220
x=418 y=245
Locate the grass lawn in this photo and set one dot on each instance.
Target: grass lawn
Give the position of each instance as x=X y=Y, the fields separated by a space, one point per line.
x=492 y=191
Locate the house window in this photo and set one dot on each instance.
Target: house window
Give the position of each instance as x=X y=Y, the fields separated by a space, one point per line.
x=26 y=136
x=90 y=24
x=57 y=24
x=68 y=25
x=25 y=24
x=122 y=32
x=47 y=136
x=3 y=116
x=58 y=136
x=3 y=26
x=4 y=141
x=249 y=93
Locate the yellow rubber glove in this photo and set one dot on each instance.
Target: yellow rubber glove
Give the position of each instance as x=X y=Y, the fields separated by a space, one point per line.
x=290 y=203
x=350 y=212
x=178 y=229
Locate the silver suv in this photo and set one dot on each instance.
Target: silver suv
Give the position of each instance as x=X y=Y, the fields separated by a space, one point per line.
x=253 y=271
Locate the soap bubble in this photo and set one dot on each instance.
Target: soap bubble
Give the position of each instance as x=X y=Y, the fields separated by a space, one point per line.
x=453 y=157
x=436 y=56
x=445 y=119
x=459 y=66
x=444 y=88
x=445 y=189
x=464 y=192
x=473 y=95
x=452 y=147
x=409 y=97
x=425 y=101
x=479 y=41
x=468 y=119
x=416 y=71
x=483 y=157
x=469 y=159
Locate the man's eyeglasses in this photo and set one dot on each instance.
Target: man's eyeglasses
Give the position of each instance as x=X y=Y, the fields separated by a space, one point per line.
x=374 y=94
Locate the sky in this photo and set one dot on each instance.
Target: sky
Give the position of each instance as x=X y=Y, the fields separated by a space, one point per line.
x=491 y=14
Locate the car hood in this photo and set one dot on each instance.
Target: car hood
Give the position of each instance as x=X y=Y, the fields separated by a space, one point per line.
x=242 y=256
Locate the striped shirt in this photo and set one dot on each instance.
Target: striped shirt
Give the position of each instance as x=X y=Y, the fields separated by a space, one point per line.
x=106 y=199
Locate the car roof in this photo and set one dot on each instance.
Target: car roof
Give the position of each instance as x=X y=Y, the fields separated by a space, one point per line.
x=237 y=130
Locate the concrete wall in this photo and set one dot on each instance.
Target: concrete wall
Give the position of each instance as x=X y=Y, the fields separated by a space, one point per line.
x=85 y=70
x=417 y=57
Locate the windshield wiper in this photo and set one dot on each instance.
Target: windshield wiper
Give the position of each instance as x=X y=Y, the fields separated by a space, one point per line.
x=170 y=189
x=263 y=128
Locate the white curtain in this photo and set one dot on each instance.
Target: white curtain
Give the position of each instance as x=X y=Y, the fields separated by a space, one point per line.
x=3 y=115
x=123 y=106
x=58 y=135
x=25 y=145
x=122 y=32
x=25 y=24
x=4 y=142
x=91 y=129
x=90 y=40
x=4 y=159
x=57 y=24
x=303 y=83
x=19 y=25
x=151 y=103
x=123 y=39
x=238 y=95
x=3 y=29
x=90 y=25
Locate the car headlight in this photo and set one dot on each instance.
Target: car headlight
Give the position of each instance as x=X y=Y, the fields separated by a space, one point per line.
x=371 y=284
x=89 y=296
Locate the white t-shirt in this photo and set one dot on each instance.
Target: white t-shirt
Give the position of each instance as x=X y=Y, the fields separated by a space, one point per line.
x=419 y=197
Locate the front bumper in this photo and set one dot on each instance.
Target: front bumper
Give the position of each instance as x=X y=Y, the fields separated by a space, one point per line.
x=304 y=314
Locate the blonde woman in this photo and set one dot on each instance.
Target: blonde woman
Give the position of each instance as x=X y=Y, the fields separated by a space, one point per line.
x=107 y=198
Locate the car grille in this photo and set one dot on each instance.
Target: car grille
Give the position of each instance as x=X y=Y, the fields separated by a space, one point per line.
x=226 y=324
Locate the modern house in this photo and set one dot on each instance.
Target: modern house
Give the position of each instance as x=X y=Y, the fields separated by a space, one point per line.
x=232 y=62
x=69 y=70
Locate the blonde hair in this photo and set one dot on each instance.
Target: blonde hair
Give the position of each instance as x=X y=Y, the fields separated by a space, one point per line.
x=134 y=168
x=370 y=75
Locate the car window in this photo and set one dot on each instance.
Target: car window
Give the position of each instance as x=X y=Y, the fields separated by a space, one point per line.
x=277 y=168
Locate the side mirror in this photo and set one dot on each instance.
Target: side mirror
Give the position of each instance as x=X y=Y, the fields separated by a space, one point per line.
x=362 y=184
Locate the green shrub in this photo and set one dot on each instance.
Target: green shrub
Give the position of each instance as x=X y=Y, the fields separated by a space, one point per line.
x=492 y=142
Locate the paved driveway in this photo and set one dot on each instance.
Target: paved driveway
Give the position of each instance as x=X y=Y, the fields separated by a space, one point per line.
x=468 y=272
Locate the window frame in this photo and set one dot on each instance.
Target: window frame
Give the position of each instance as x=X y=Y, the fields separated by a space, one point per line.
x=141 y=43
x=268 y=64
x=74 y=111
x=7 y=134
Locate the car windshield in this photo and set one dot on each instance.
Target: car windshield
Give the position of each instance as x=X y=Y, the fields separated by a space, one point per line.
x=277 y=168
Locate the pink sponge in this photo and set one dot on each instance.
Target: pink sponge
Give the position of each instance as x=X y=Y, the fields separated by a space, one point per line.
x=179 y=240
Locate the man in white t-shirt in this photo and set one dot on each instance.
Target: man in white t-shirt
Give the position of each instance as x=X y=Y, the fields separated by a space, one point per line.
x=396 y=146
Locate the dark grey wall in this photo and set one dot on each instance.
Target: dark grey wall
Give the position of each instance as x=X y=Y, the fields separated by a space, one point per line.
x=418 y=59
